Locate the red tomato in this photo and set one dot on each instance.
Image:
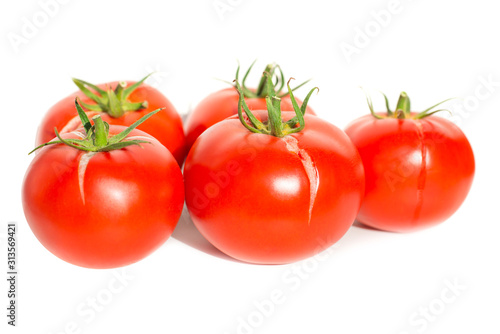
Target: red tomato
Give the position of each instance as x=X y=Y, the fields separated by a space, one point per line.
x=224 y=103
x=270 y=200
x=418 y=171
x=103 y=209
x=166 y=126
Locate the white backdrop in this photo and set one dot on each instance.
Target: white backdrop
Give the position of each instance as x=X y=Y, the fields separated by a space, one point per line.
x=441 y=280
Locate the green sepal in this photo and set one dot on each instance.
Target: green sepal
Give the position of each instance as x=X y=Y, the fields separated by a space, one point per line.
x=298 y=111
x=370 y=105
x=127 y=91
x=403 y=109
x=120 y=145
x=258 y=126
x=72 y=143
x=93 y=107
x=120 y=136
x=83 y=117
x=294 y=88
x=262 y=90
x=98 y=139
x=112 y=101
x=82 y=85
x=421 y=115
x=275 y=125
x=428 y=111
x=389 y=111
x=291 y=123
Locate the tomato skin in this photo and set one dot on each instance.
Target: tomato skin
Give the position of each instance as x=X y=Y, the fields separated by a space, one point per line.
x=249 y=195
x=166 y=126
x=418 y=172
x=221 y=105
x=133 y=198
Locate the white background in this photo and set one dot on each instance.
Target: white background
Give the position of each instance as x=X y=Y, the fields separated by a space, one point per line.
x=370 y=282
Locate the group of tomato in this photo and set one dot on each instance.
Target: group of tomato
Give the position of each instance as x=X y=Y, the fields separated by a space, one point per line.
x=265 y=180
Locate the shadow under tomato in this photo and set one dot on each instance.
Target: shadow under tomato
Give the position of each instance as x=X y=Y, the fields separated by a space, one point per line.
x=360 y=225
x=186 y=232
x=365 y=227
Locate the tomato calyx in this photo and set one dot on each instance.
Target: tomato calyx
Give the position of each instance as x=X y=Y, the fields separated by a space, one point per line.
x=403 y=110
x=277 y=82
x=274 y=126
x=97 y=135
x=112 y=101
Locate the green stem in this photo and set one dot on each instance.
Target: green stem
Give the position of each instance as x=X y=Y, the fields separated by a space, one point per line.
x=115 y=105
x=403 y=106
x=264 y=81
x=274 y=113
x=101 y=135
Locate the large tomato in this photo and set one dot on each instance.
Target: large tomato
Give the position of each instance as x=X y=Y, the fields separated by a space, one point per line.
x=224 y=103
x=166 y=126
x=277 y=198
x=103 y=209
x=419 y=168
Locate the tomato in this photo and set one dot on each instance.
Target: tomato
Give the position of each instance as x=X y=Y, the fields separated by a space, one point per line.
x=273 y=199
x=418 y=168
x=103 y=209
x=166 y=126
x=224 y=103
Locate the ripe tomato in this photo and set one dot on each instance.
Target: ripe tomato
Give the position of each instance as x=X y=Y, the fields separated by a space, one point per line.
x=103 y=209
x=418 y=168
x=166 y=126
x=224 y=103
x=273 y=199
